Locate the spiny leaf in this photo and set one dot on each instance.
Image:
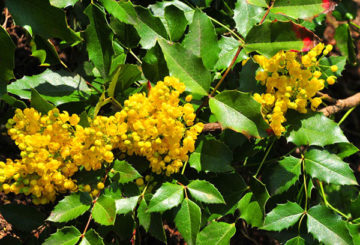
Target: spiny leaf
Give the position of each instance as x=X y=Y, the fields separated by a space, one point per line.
x=187 y=220
x=282 y=216
x=202 y=40
x=239 y=112
x=313 y=129
x=104 y=211
x=204 y=191
x=126 y=172
x=246 y=16
x=187 y=67
x=39 y=103
x=176 y=22
x=126 y=205
x=166 y=197
x=70 y=207
x=300 y=9
x=217 y=233
x=67 y=235
x=328 y=167
x=327 y=227
x=295 y=241
x=92 y=238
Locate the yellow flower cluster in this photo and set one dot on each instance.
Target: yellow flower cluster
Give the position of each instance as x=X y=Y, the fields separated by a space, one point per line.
x=290 y=84
x=54 y=146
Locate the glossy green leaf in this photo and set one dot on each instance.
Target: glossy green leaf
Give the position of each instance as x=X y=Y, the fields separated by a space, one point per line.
x=104 y=211
x=159 y=8
x=211 y=156
x=261 y=194
x=13 y=101
x=125 y=33
x=39 y=103
x=313 y=129
x=63 y=3
x=204 y=191
x=143 y=216
x=176 y=22
x=154 y=65
x=296 y=241
x=92 y=238
x=343 y=150
x=283 y=175
x=260 y=3
x=327 y=227
x=166 y=197
x=123 y=11
x=282 y=216
x=98 y=37
x=187 y=67
x=187 y=220
x=246 y=16
x=240 y=112
x=328 y=167
x=126 y=171
x=354 y=230
x=57 y=87
x=217 y=233
x=67 y=235
x=201 y=39
x=124 y=76
x=21 y=217
x=326 y=62
x=247 y=80
x=44 y=19
x=345 y=42
x=271 y=37
x=52 y=57
x=7 y=50
x=126 y=205
x=228 y=48
x=299 y=9
x=70 y=207
x=250 y=210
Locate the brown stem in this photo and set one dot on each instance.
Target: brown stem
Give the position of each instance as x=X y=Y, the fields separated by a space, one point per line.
x=326 y=97
x=266 y=13
x=7 y=16
x=206 y=100
x=340 y=105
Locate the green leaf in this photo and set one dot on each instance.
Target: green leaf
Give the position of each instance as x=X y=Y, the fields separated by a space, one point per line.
x=343 y=150
x=7 y=50
x=126 y=171
x=57 y=87
x=126 y=205
x=228 y=48
x=250 y=210
x=63 y=3
x=187 y=220
x=166 y=197
x=124 y=76
x=211 y=156
x=125 y=33
x=187 y=67
x=313 y=129
x=176 y=22
x=13 y=101
x=202 y=40
x=98 y=37
x=70 y=207
x=326 y=62
x=328 y=167
x=39 y=103
x=156 y=228
x=296 y=241
x=123 y=11
x=240 y=112
x=260 y=3
x=299 y=9
x=246 y=16
x=159 y=8
x=284 y=175
x=282 y=216
x=154 y=64
x=204 y=191
x=143 y=216
x=67 y=235
x=217 y=233
x=271 y=37
x=327 y=227
x=354 y=230
x=261 y=194
x=345 y=42
x=247 y=80
x=44 y=19
x=23 y=218
x=92 y=238
x=104 y=211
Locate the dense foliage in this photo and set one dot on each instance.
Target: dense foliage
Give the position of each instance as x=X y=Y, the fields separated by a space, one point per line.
x=194 y=116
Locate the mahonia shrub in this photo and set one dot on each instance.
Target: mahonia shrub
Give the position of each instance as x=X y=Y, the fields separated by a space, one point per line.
x=197 y=122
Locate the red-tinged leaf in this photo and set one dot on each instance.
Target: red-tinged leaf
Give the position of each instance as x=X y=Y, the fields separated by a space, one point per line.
x=271 y=37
